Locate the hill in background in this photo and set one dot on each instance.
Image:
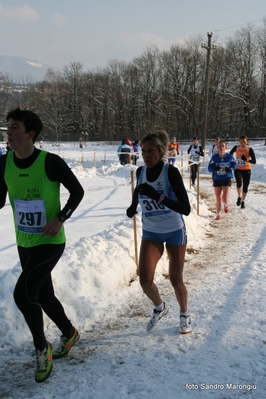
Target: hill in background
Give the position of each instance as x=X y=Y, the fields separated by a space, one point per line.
x=19 y=68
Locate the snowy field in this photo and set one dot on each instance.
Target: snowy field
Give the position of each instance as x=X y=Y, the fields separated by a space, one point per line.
x=224 y=357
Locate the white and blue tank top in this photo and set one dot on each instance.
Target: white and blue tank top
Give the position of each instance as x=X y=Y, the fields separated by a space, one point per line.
x=156 y=217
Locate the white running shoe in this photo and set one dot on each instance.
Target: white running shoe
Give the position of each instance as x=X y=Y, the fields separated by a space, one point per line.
x=157 y=315
x=185 y=325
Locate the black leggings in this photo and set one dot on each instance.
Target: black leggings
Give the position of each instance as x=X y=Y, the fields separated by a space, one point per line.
x=193 y=172
x=245 y=176
x=34 y=291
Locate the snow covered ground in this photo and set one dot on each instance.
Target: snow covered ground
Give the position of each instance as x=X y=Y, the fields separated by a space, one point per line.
x=96 y=281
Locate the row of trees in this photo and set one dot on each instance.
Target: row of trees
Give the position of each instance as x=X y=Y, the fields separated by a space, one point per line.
x=159 y=89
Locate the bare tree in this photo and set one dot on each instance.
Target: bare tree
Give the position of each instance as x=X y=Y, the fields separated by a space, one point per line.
x=5 y=97
x=149 y=72
x=241 y=70
x=54 y=112
x=73 y=85
x=261 y=107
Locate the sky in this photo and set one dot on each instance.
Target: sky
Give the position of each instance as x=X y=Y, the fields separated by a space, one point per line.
x=96 y=281
x=94 y=32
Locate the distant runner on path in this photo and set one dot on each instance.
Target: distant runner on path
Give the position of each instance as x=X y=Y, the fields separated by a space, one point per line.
x=221 y=166
x=245 y=156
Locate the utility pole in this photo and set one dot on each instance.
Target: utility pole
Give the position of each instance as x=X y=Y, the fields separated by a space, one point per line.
x=208 y=47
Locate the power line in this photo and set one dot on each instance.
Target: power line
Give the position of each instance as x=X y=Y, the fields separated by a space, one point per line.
x=237 y=26
x=223 y=42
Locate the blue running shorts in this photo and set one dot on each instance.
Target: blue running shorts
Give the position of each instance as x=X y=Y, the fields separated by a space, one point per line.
x=177 y=237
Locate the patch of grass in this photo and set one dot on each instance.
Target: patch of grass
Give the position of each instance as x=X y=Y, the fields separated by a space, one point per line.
x=192 y=251
x=204 y=196
x=209 y=235
x=215 y=225
x=138 y=314
x=199 y=265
